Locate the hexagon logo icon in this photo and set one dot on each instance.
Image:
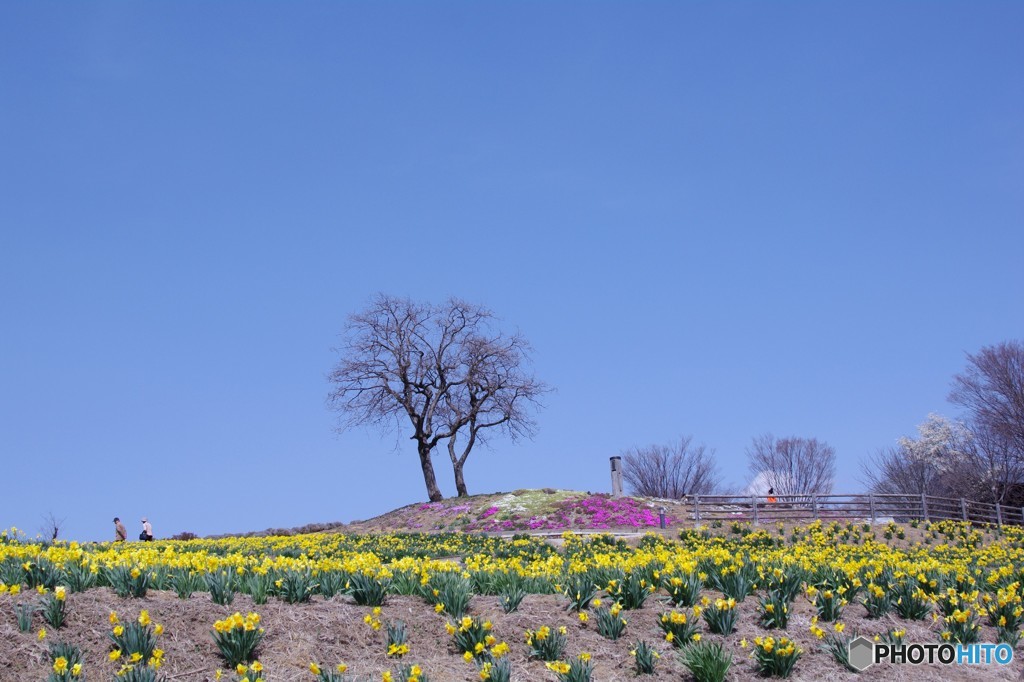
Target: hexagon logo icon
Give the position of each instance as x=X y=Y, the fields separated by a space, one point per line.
x=862 y=653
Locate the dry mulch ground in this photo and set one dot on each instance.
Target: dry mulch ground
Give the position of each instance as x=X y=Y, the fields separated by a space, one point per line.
x=333 y=630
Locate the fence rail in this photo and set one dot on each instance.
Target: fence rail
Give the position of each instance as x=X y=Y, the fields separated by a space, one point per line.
x=871 y=507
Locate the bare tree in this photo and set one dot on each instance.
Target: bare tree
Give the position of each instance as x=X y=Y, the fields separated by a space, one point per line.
x=442 y=367
x=891 y=472
x=793 y=466
x=51 y=526
x=981 y=457
x=671 y=471
x=896 y=471
x=991 y=390
x=947 y=459
x=497 y=394
x=994 y=468
x=943 y=460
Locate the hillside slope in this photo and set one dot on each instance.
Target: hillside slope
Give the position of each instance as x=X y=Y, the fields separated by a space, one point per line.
x=527 y=510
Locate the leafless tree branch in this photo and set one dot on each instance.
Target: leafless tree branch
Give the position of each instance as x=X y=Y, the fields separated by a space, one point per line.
x=51 y=526
x=793 y=466
x=671 y=471
x=991 y=390
x=444 y=368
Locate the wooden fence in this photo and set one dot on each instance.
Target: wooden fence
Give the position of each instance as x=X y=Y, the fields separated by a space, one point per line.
x=868 y=507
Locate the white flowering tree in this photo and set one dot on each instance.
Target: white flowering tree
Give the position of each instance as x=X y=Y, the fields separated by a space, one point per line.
x=981 y=457
x=941 y=444
x=937 y=462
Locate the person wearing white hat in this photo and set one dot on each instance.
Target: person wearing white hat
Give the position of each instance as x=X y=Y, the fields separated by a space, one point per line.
x=147 y=530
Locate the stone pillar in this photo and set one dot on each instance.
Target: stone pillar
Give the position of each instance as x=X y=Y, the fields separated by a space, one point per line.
x=616 y=476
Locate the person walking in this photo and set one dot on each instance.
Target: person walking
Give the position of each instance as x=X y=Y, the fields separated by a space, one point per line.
x=147 y=530
x=120 y=534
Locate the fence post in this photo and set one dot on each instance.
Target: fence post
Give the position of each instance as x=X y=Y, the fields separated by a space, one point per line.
x=753 y=505
x=999 y=515
x=963 y=509
x=871 y=505
x=814 y=505
x=924 y=507
x=696 y=510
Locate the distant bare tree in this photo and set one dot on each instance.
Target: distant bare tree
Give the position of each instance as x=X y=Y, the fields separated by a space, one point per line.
x=442 y=367
x=995 y=467
x=982 y=457
x=671 y=471
x=991 y=390
x=51 y=526
x=793 y=466
x=890 y=472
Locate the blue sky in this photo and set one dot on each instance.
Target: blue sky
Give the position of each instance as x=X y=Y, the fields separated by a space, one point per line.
x=716 y=219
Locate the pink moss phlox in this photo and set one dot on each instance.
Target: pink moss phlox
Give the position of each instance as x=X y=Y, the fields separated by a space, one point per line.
x=600 y=511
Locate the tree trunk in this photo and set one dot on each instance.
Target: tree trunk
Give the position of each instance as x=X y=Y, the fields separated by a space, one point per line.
x=460 y=483
x=433 y=492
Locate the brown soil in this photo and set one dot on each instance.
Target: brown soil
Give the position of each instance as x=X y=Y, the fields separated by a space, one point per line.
x=332 y=631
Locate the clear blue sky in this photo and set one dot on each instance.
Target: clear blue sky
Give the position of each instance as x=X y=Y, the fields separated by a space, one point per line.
x=716 y=219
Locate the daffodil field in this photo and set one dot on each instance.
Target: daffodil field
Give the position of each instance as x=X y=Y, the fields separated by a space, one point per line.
x=733 y=602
